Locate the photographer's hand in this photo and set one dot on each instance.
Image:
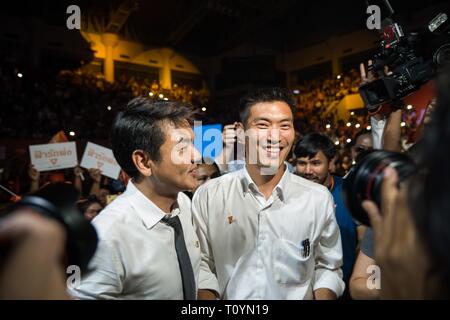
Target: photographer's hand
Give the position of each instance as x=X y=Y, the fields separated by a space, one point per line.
x=392 y=132
x=33 y=268
x=398 y=249
x=366 y=76
x=369 y=75
x=386 y=130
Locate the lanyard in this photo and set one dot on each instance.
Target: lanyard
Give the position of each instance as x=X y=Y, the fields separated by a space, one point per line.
x=332 y=184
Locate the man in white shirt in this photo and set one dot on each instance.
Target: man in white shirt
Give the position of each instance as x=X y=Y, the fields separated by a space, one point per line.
x=141 y=255
x=264 y=232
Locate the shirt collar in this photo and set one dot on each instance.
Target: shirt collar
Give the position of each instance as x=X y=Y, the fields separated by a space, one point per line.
x=149 y=213
x=248 y=185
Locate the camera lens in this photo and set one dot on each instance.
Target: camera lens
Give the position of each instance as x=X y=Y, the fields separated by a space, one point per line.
x=363 y=181
x=58 y=201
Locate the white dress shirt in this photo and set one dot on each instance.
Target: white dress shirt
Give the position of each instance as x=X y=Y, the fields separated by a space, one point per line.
x=136 y=257
x=252 y=248
x=377 y=126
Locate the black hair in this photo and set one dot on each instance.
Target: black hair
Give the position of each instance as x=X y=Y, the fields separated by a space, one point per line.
x=211 y=162
x=429 y=190
x=359 y=134
x=108 y=187
x=140 y=127
x=83 y=204
x=264 y=95
x=314 y=142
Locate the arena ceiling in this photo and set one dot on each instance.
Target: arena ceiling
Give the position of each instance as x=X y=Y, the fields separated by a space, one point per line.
x=208 y=27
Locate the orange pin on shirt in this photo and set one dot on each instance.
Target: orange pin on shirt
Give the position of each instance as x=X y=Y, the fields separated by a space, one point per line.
x=231 y=219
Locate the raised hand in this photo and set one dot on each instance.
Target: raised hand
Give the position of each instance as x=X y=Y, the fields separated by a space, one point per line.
x=95 y=174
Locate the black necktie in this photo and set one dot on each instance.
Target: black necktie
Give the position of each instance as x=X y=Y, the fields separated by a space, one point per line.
x=187 y=274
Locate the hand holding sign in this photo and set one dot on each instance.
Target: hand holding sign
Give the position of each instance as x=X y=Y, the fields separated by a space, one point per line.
x=53 y=156
x=33 y=173
x=95 y=174
x=100 y=159
x=78 y=172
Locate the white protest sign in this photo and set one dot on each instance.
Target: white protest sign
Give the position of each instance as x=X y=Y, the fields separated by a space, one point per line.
x=101 y=158
x=53 y=156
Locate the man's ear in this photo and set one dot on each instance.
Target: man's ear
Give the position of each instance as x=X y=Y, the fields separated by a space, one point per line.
x=142 y=162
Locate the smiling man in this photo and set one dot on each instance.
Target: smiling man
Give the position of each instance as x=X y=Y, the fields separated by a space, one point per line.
x=266 y=233
x=148 y=247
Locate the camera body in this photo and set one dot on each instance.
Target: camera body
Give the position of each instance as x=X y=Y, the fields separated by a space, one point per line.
x=58 y=201
x=406 y=58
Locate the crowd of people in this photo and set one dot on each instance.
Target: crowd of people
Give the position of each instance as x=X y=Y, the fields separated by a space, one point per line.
x=313 y=143
x=318 y=255
x=316 y=112
x=80 y=101
x=315 y=96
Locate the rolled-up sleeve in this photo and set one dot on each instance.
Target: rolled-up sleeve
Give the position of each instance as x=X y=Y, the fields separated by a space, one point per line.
x=207 y=276
x=328 y=254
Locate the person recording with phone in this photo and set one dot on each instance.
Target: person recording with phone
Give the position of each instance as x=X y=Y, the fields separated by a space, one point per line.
x=232 y=156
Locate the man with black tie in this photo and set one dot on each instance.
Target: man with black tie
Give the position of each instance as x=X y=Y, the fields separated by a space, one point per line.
x=148 y=248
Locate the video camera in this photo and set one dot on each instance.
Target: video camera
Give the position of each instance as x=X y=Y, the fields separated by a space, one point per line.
x=412 y=60
x=58 y=201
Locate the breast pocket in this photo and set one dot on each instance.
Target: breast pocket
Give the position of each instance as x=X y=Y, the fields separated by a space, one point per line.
x=292 y=263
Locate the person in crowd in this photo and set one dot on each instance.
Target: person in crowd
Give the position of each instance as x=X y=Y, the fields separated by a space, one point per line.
x=206 y=171
x=264 y=232
x=365 y=281
x=90 y=207
x=148 y=247
x=363 y=141
x=36 y=180
x=232 y=156
x=314 y=154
